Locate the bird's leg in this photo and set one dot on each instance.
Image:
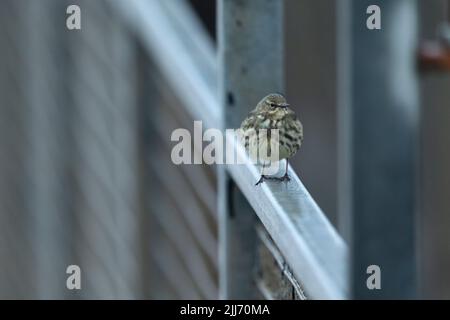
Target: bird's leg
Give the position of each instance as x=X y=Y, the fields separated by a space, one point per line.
x=286 y=176
x=263 y=177
x=261 y=180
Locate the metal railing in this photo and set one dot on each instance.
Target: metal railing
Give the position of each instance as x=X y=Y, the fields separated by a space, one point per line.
x=185 y=55
x=86 y=171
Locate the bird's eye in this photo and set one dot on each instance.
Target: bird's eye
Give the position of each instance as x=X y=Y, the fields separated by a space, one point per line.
x=273 y=105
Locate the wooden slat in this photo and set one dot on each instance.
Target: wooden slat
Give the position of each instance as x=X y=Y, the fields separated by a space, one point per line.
x=185 y=201
x=167 y=218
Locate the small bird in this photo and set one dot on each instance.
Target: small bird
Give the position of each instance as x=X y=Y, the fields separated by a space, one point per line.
x=273 y=112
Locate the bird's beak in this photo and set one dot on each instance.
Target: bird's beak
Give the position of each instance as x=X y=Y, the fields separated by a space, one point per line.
x=285 y=105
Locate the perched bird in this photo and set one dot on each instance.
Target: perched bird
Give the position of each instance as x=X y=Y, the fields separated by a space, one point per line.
x=273 y=112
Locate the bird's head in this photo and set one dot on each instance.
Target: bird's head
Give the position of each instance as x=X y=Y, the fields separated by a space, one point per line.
x=273 y=101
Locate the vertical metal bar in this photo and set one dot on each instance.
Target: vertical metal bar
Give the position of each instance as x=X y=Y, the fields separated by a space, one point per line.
x=17 y=268
x=435 y=173
x=344 y=71
x=382 y=116
x=48 y=154
x=251 y=66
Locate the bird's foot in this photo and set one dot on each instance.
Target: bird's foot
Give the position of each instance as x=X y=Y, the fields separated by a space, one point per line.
x=261 y=180
x=281 y=179
x=284 y=178
x=264 y=178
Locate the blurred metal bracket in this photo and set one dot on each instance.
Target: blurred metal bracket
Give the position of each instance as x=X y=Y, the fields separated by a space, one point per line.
x=434 y=55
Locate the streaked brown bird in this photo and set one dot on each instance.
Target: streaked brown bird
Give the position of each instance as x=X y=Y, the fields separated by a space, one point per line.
x=273 y=112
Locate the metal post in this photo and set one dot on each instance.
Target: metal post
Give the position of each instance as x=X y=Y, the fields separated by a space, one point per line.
x=251 y=62
x=434 y=220
x=379 y=120
x=17 y=274
x=49 y=153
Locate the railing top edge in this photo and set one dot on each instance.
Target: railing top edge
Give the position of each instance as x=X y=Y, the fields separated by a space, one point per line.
x=315 y=251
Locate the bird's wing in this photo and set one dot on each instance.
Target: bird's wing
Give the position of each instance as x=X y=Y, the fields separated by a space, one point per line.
x=250 y=121
x=294 y=124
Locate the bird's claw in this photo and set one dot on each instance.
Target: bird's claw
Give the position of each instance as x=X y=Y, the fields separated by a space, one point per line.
x=285 y=178
x=261 y=180
x=264 y=178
